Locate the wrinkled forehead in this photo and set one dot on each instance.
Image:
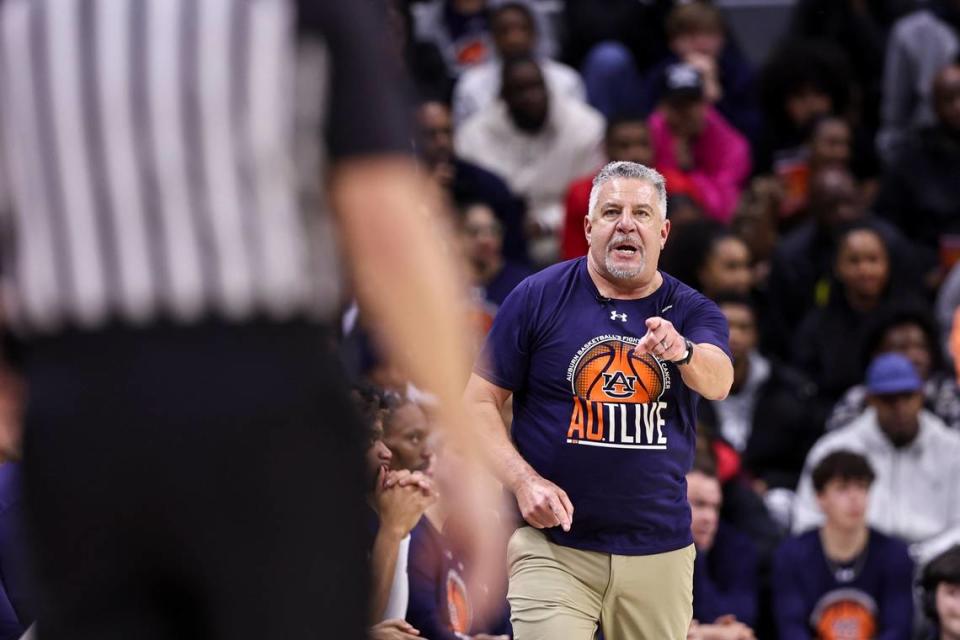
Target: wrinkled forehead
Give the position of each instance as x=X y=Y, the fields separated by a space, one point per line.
x=629 y=192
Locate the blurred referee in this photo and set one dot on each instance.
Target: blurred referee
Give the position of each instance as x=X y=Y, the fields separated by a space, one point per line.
x=166 y=167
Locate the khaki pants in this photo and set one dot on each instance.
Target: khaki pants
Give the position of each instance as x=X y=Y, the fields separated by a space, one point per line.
x=559 y=593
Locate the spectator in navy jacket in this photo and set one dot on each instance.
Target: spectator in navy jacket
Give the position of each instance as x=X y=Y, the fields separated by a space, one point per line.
x=843 y=580
x=725 y=571
x=492 y=275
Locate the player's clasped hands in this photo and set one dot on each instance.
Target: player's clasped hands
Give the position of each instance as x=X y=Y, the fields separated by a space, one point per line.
x=402 y=498
x=662 y=340
x=406 y=478
x=543 y=504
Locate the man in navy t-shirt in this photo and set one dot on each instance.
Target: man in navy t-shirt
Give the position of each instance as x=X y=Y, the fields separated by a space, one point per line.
x=606 y=358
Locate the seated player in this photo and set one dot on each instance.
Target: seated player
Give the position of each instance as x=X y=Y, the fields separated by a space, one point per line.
x=398 y=500
x=441 y=605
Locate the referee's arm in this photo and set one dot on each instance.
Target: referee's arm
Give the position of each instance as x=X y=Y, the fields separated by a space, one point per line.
x=387 y=210
x=388 y=213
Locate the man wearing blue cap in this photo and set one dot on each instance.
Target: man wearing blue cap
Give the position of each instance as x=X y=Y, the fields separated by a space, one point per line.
x=916 y=458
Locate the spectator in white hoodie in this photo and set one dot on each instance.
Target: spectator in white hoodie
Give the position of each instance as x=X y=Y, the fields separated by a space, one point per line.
x=916 y=457
x=513 y=26
x=538 y=143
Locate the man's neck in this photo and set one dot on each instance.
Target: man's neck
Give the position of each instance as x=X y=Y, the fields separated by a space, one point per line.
x=632 y=290
x=946 y=635
x=901 y=444
x=528 y=126
x=842 y=545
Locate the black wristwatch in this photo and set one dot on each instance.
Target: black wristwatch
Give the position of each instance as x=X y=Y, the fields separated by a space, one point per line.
x=686 y=358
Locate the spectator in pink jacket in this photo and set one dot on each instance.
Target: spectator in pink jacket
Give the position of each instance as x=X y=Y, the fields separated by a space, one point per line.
x=694 y=143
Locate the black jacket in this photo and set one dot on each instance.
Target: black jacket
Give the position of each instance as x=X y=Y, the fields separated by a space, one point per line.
x=919 y=193
x=787 y=419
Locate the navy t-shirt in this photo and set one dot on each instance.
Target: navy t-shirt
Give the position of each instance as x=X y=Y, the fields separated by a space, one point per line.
x=870 y=598
x=440 y=605
x=614 y=430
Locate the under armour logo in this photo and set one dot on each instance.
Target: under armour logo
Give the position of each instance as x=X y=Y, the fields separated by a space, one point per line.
x=622 y=317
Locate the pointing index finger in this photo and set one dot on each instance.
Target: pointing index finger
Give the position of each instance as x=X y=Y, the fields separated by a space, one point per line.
x=560 y=512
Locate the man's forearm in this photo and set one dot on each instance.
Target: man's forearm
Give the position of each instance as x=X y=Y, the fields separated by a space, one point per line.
x=709 y=372
x=506 y=461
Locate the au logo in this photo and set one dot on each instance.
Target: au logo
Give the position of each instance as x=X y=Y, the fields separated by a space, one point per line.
x=618 y=385
x=610 y=370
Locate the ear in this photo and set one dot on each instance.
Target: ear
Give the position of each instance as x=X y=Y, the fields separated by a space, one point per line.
x=587 y=226
x=664 y=233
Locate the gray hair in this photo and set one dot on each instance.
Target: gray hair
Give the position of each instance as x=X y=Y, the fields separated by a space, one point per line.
x=624 y=169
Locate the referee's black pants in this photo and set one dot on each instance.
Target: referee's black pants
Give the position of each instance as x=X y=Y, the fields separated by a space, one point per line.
x=199 y=482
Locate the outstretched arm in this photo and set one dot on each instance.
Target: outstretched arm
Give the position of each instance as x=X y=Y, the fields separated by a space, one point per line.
x=709 y=372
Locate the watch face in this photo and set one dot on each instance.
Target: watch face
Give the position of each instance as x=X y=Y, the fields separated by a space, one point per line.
x=687 y=354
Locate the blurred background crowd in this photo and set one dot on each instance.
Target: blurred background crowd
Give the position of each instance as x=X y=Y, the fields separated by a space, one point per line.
x=812 y=156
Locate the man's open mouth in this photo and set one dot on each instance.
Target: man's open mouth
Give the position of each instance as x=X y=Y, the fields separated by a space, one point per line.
x=625 y=249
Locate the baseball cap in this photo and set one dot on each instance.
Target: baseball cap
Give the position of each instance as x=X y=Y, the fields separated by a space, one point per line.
x=892 y=373
x=682 y=82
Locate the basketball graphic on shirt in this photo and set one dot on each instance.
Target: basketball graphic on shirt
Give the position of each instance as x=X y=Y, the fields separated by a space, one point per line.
x=611 y=372
x=458 y=603
x=845 y=614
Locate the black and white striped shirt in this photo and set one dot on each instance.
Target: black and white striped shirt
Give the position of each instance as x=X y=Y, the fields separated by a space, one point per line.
x=163 y=158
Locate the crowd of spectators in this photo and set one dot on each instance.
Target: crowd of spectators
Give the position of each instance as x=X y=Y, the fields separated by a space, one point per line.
x=812 y=196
